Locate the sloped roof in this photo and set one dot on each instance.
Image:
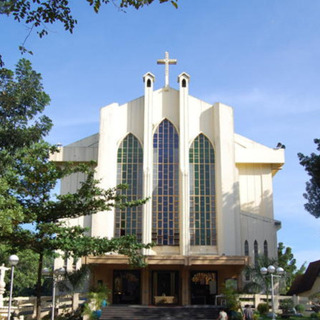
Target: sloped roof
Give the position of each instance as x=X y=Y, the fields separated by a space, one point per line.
x=83 y=150
x=305 y=282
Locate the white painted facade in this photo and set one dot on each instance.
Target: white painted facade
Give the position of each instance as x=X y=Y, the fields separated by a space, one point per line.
x=244 y=170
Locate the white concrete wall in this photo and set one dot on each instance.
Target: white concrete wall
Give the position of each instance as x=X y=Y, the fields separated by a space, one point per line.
x=257 y=228
x=255 y=187
x=227 y=198
x=244 y=168
x=115 y=123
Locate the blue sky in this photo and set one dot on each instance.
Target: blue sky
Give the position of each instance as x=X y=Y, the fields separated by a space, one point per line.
x=260 y=57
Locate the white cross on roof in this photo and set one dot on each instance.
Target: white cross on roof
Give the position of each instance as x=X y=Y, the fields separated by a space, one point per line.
x=166 y=61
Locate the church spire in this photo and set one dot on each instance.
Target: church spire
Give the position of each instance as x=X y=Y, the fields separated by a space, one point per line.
x=166 y=61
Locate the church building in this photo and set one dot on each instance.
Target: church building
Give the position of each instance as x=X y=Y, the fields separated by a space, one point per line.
x=210 y=211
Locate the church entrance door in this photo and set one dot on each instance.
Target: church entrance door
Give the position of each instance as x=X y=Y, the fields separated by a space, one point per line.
x=165 y=287
x=203 y=287
x=126 y=287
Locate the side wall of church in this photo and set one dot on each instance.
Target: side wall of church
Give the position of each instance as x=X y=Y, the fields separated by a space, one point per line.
x=259 y=230
x=256 y=203
x=255 y=188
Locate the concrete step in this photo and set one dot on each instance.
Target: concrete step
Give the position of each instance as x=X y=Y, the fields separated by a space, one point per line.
x=130 y=312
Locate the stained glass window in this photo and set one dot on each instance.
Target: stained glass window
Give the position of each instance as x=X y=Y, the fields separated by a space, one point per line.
x=246 y=248
x=256 y=251
x=265 y=248
x=129 y=171
x=165 y=204
x=202 y=192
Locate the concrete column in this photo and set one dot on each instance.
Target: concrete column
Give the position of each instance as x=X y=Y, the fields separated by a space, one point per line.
x=75 y=301
x=228 y=204
x=145 y=287
x=185 y=290
x=147 y=158
x=184 y=210
x=102 y=222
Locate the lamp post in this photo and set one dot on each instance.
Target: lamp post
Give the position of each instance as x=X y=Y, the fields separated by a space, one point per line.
x=274 y=272
x=55 y=277
x=13 y=260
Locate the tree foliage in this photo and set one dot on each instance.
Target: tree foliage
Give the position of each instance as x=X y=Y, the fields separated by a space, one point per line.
x=74 y=281
x=258 y=282
x=287 y=261
x=22 y=100
x=30 y=178
x=38 y=14
x=25 y=278
x=312 y=165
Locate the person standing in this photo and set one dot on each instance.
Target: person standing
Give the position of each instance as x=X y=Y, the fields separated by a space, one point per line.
x=247 y=313
x=223 y=315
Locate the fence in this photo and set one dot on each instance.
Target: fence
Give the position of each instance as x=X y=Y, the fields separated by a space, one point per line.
x=26 y=306
x=255 y=299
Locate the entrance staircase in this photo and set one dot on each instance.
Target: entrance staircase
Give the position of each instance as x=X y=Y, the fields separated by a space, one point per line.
x=133 y=312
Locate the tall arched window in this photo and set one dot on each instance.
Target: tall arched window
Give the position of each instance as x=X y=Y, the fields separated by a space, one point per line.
x=129 y=171
x=165 y=203
x=202 y=193
x=246 y=253
x=256 y=251
x=246 y=248
x=265 y=248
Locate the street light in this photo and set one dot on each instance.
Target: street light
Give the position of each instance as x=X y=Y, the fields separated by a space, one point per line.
x=55 y=277
x=13 y=260
x=274 y=272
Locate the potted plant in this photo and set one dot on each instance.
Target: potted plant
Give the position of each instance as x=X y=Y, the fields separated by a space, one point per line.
x=97 y=298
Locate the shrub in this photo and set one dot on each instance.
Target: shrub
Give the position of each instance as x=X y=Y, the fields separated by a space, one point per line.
x=316 y=308
x=96 y=299
x=315 y=315
x=232 y=299
x=256 y=315
x=263 y=308
x=300 y=308
x=286 y=305
x=234 y=315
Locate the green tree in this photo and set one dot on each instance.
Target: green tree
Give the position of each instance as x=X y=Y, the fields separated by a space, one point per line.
x=38 y=14
x=24 y=279
x=258 y=282
x=32 y=177
x=287 y=261
x=312 y=165
x=24 y=276
x=22 y=100
x=74 y=280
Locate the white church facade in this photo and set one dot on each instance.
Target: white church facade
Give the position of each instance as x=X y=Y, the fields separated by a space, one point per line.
x=211 y=195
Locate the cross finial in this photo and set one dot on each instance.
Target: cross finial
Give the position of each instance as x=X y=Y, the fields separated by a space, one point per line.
x=166 y=61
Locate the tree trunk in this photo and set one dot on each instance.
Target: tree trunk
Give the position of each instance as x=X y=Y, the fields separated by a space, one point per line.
x=38 y=287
